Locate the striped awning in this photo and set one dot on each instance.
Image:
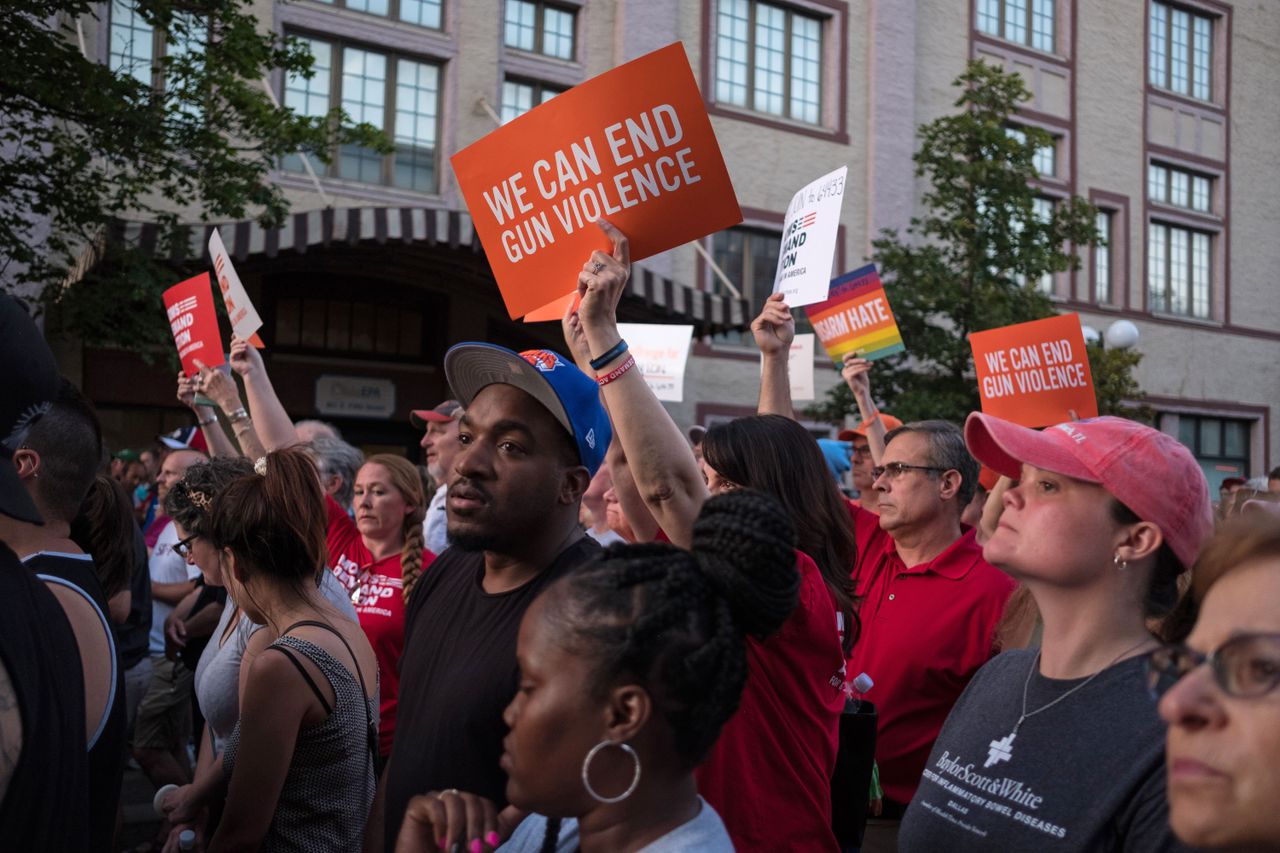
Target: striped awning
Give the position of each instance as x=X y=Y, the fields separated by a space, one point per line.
x=409 y=225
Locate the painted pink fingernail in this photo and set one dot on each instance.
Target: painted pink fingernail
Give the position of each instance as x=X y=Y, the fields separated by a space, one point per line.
x=441 y=841
x=475 y=846
x=493 y=839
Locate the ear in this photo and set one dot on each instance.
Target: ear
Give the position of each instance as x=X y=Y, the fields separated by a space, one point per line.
x=27 y=461
x=1137 y=541
x=627 y=712
x=574 y=484
x=231 y=567
x=949 y=484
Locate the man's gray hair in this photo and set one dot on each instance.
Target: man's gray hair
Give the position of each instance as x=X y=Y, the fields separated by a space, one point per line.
x=335 y=456
x=945 y=450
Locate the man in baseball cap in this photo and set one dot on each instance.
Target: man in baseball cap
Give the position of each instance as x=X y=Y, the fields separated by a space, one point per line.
x=439 y=449
x=45 y=804
x=861 y=461
x=533 y=434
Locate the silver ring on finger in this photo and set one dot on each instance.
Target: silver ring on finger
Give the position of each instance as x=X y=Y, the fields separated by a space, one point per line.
x=440 y=796
x=597 y=267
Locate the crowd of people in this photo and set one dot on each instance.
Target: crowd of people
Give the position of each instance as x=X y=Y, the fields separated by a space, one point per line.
x=579 y=626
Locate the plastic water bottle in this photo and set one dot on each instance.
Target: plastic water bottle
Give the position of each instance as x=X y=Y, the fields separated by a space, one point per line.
x=187 y=840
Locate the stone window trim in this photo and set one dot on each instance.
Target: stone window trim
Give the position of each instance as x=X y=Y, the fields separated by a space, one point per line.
x=1063 y=14
x=576 y=8
x=1217 y=175
x=1220 y=54
x=1116 y=206
x=834 y=119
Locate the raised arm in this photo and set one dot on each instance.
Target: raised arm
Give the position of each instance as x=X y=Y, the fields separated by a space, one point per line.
x=206 y=417
x=660 y=459
x=221 y=388
x=272 y=423
x=774 y=330
x=857 y=375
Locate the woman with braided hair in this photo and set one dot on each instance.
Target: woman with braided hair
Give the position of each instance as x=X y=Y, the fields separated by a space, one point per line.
x=630 y=666
x=378 y=557
x=769 y=775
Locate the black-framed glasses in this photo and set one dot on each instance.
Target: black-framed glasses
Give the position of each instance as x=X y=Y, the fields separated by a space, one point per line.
x=895 y=470
x=183 y=546
x=1246 y=666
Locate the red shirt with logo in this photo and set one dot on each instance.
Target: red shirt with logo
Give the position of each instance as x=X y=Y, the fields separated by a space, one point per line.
x=925 y=631
x=376 y=589
x=769 y=774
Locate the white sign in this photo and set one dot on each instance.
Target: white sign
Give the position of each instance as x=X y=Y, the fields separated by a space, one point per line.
x=661 y=353
x=355 y=396
x=244 y=318
x=809 y=241
x=801 y=367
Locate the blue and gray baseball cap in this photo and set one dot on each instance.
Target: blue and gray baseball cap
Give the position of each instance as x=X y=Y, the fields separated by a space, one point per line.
x=564 y=390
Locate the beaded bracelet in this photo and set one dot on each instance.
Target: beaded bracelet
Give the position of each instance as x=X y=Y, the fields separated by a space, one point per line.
x=613 y=352
x=616 y=372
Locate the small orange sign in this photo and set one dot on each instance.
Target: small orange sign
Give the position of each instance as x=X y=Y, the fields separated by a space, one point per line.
x=1035 y=374
x=633 y=145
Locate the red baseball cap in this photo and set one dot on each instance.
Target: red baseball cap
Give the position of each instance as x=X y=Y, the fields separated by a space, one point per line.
x=890 y=423
x=1146 y=470
x=443 y=413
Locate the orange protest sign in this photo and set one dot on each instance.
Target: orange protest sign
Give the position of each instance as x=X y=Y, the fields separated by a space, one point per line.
x=194 y=323
x=1035 y=374
x=633 y=145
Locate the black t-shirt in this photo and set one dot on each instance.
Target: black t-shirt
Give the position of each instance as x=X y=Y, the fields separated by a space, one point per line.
x=457 y=675
x=1086 y=774
x=133 y=637
x=46 y=807
x=107 y=745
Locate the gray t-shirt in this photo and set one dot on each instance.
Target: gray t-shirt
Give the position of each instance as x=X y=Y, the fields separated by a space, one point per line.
x=1084 y=775
x=704 y=834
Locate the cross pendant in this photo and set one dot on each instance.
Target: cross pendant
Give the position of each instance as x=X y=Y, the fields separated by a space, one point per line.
x=1000 y=750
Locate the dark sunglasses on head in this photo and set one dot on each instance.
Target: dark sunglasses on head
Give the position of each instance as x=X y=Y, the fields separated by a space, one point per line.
x=1246 y=666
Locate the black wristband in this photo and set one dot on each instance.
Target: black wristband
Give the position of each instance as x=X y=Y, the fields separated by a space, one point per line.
x=614 y=351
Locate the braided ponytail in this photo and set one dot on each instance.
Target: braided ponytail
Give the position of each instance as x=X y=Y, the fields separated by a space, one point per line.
x=677 y=620
x=404 y=479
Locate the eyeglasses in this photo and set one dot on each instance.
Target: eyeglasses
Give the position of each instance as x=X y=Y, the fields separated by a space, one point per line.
x=860 y=450
x=183 y=546
x=1246 y=666
x=895 y=470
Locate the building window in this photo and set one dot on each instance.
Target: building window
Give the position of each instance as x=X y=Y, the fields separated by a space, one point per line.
x=1220 y=445
x=1042 y=210
x=1179 y=264
x=424 y=13
x=136 y=48
x=1045 y=158
x=769 y=59
x=1029 y=22
x=519 y=97
x=1102 y=258
x=749 y=257
x=1178 y=187
x=1180 y=56
x=399 y=95
x=539 y=28
x=342 y=326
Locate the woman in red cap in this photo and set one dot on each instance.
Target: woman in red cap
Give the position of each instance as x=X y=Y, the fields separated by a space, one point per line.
x=1061 y=748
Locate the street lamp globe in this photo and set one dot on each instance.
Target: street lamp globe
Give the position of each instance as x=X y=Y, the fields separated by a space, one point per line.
x=1122 y=334
x=1091 y=335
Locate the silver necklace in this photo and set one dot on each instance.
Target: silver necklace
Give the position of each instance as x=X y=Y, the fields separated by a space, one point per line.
x=1001 y=749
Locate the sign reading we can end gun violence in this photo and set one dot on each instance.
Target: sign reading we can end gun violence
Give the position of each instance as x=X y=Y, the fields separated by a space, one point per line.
x=633 y=145
x=1035 y=374
x=856 y=317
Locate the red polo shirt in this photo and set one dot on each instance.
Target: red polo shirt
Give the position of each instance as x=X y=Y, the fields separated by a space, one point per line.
x=925 y=631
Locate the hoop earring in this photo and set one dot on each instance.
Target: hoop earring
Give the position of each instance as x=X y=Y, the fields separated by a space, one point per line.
x=586 y=767
x=1119 y=563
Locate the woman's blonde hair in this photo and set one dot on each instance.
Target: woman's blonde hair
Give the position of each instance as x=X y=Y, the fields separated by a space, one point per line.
x=404 y=478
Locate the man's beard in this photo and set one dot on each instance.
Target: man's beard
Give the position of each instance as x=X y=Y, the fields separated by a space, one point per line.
x=474 y=540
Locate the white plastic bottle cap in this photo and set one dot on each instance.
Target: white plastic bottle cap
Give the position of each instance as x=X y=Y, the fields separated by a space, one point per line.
x=187 y=839
x=863 y=683
x=158 y=800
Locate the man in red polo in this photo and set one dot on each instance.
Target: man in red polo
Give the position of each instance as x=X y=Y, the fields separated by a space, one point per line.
x=929 y=603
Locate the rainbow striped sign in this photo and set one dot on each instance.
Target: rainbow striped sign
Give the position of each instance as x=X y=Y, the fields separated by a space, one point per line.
x=856 y=317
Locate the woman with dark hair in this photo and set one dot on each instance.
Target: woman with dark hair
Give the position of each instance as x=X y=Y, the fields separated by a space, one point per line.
x=378 y=557
x=630 y=666
x=104 y=529
x=769 y=775
x=1107 y=513
x=1219 y=694
x=300 y=761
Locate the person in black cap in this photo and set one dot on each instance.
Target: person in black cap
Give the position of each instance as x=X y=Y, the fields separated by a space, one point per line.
x=533 y=434
x=44 y=767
